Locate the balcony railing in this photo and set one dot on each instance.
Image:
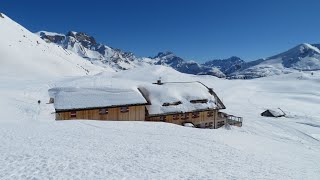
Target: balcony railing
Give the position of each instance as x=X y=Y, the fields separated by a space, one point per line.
x=234 y=120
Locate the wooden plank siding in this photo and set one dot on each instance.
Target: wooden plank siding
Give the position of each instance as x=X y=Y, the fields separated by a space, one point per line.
x=138 y=113
x=220 y=121
x=135 y=113
x=202 y=119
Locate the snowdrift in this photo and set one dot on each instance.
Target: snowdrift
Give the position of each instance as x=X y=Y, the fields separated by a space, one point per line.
x=32 y=57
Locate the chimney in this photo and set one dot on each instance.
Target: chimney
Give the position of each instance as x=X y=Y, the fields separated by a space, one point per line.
x=51 y=101
x=158 y=82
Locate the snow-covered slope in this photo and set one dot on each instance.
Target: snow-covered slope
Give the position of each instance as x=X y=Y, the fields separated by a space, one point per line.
x=30 y=56
x=34 y=145
x=304 y=57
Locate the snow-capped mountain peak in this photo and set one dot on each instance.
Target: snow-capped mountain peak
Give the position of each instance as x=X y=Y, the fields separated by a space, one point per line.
x=302 y=50
x=304 y=57
x=164 y=54
x=87 y=47
x=85 y=39
x=168 y=58
x=227 y=66
x=190 y=67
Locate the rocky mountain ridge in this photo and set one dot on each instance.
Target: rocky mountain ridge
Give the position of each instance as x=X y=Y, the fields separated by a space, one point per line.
x=304 y=57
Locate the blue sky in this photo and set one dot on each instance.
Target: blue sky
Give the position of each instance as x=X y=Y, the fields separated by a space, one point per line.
x=195 y=30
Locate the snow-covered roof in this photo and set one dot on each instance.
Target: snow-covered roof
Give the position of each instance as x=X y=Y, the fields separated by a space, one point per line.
x=178 y=95
x=276 y=112
x=86 y=98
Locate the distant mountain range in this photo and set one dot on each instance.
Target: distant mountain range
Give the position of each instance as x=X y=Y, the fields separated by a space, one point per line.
x=83 y=53
x=305 y=57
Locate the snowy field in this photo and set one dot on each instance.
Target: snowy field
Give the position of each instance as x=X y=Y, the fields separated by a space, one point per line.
x=35 y=146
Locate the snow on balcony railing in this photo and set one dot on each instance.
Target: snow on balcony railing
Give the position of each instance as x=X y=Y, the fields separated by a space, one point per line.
x=234 y=120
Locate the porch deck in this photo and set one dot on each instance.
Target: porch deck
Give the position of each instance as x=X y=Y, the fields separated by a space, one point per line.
x=234 y=120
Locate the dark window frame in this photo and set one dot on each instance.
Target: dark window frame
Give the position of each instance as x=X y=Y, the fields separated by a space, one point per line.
x=73 y=114
x=103 y=111
x=195 y=114
x=124 y=109
x=163 y=118
x=198 y=101
x=220 y=124
x=172 y=103
x=210 y=114
x=176 y=116
x=185 y=116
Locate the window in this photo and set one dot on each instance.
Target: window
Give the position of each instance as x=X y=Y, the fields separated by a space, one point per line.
x=199 y=101
x=73 y=114
x=185 y=116
x=210 y=113
x=176 y=117
x=163 y=118
x=195 y=114
x=172 y=104
x=124 y=109
x=103 y=111
x=220 y=123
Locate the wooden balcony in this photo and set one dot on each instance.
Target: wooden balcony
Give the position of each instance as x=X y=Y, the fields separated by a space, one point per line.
x=234 y=120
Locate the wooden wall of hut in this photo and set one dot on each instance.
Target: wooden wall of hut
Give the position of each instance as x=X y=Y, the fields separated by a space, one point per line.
x=221 y=120
x=202 y=118
x=135 y=113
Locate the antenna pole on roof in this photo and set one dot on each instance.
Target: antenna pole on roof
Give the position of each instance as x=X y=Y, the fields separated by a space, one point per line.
x=158 y=81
